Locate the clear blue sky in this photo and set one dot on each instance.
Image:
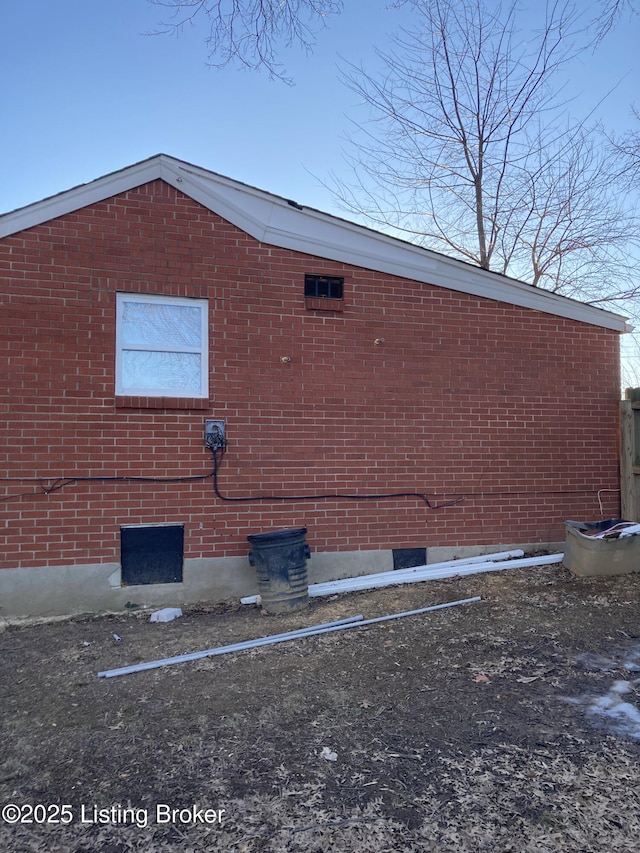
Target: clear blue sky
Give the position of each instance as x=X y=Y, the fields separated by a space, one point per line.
x=85 y=92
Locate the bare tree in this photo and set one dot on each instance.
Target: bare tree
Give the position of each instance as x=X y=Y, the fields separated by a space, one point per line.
x=468 y=149
x=250 y=33
x=627 y=147
x=574 y=233
x=609 y=15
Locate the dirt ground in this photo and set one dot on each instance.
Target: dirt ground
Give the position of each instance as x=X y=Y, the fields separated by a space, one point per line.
x=477 y=727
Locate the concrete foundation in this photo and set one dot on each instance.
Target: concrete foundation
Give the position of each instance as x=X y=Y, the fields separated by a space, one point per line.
x=50 y=591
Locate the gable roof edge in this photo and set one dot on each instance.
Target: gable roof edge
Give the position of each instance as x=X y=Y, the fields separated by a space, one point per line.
x=276 y=221
x=279 y=222
x=81 y=196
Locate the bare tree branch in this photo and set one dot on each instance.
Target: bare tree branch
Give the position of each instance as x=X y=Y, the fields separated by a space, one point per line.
x=250 y=33
x=469 y=150
x=627 y=149
x=610 y=14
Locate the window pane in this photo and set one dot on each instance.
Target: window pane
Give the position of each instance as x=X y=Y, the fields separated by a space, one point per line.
x=161 y=371
x=161 y=324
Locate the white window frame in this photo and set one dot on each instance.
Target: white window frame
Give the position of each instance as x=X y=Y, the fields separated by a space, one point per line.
x=202 y=350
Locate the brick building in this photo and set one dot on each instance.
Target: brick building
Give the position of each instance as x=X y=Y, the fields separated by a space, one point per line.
x=341 y=361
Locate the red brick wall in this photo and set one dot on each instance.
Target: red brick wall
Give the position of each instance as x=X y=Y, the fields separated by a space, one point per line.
x=465 y=395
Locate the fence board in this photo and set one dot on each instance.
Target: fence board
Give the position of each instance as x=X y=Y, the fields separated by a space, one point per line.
x=628 y=479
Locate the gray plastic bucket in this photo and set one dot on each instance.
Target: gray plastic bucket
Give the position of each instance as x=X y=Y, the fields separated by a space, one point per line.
x=280 y=560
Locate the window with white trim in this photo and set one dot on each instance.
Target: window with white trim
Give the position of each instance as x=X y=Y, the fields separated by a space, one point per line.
x=161 y=346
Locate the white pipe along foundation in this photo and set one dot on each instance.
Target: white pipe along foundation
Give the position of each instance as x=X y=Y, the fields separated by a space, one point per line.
x=417 y=574
x=326 y=628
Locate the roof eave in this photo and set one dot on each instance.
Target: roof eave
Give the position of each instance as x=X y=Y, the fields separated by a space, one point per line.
x=276 y=221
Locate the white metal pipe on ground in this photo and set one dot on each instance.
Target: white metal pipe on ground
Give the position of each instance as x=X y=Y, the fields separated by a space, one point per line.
x=432 y=567
x=394 y=577
x=524 y=563
x=479 y=558
x=398 y=575
x=339 y=625
x=235 y=647
x=426 y=573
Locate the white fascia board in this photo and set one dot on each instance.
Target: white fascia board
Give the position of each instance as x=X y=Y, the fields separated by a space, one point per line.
x=81 y=196
x=274 y=221
x=491 y=285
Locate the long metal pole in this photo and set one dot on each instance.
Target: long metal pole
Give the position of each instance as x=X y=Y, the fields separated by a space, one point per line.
x=425 y=573
x=418 y=574
x=221 y=650
x=327 y=628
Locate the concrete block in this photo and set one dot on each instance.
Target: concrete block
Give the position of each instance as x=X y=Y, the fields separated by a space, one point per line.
x=166 y=614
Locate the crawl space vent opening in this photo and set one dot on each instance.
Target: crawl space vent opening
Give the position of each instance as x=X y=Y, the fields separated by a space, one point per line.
x=408 y=558
x=152 y=554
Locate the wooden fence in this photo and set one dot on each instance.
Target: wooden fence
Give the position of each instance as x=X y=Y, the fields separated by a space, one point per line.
x=630 y=455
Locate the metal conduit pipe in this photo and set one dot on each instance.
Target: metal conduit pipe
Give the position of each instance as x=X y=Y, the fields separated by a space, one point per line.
x=280 y=638
x=435 y=571
x=397 y=575
x=432 y=567
x=221 y=650
x=426 y=573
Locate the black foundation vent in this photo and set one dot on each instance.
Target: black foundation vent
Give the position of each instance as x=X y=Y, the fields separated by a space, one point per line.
x=407 y=558
x=152 y=554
